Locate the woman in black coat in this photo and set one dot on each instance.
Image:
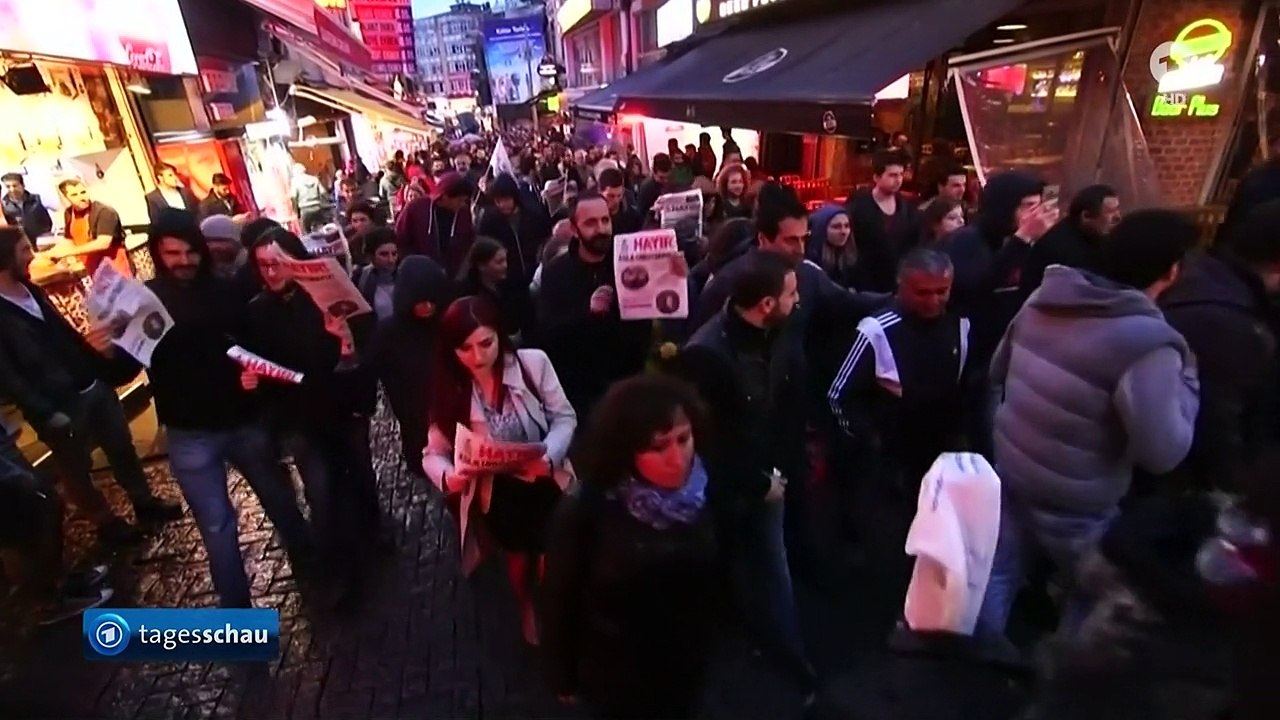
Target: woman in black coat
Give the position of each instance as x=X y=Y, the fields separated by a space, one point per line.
x=631 y=593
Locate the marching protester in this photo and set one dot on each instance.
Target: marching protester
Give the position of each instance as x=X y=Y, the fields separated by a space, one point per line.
x=65 y=388
x=212 y=423
x=520 y=227
x=832 y=245
x=377 y=280
x=484 y=385
x=579 y=325
x=403 y=349
x=634 y=548
x=439 y=226
x=732 y=184
x=751 y=375
x=1095 y=383
x=884 y=222
x=625 y=217
x=942 y=217
x=324 y=420
x=487 y=274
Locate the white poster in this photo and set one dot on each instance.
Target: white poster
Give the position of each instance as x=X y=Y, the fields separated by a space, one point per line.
x=486 y=455
x=327 y=283
x=651 y=276
x=137 y=318
x=263 y=367
x=682 y=213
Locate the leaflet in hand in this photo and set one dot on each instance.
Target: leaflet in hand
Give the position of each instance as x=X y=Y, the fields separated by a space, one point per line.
x=137 y=318
x=327 y=283
x=263 y=367
x=651 y=276
x=486 y=455
x=681 y=212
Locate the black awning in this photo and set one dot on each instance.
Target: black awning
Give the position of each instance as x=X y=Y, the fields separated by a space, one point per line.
x=818 y=75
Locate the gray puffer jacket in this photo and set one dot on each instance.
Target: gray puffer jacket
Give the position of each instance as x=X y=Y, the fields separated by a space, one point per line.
x=1095 y=382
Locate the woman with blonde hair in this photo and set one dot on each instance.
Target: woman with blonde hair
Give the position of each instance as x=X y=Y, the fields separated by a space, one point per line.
x=733 y=183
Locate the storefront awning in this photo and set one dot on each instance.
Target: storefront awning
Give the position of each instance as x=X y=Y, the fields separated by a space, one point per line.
x=352 y=102
x=817 y=75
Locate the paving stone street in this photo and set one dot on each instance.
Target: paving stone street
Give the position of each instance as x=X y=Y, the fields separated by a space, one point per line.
x=426 y=644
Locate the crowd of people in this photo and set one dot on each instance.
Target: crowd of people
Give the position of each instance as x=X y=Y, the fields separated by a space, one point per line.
x=1115 y=377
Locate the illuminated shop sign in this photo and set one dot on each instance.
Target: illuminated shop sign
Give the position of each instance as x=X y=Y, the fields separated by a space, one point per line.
x=729 y=8
x=1193 y=60
x=1182 y=105
x=572 y=12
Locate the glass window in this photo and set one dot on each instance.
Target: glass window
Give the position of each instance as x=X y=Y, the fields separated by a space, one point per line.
x=1048 y=112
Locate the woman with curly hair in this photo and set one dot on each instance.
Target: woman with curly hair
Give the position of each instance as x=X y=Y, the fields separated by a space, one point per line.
x=631 y=592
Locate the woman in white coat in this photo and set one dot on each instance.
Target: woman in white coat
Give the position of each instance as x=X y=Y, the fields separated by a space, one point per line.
x=485 y=385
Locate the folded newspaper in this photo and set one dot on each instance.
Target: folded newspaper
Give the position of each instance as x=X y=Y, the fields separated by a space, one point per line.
x=329 y=241
x=328 y=284
x=262 y=366
x=137 y=318
x=681 y=212
x=486 y=455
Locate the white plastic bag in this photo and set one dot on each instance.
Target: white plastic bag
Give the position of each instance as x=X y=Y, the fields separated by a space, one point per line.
x=953 y=538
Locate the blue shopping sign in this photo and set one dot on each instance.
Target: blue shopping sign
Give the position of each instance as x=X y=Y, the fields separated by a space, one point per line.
x=181 y=635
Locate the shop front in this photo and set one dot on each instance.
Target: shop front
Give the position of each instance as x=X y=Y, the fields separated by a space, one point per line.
x=66 y=83
x=378 y=127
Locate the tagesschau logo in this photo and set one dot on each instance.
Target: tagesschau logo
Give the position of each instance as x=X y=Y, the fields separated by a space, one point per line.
x=175 y=635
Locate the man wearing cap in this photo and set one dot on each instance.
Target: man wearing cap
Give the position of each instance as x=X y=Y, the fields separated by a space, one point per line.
x=439 y=226
x=222 y=234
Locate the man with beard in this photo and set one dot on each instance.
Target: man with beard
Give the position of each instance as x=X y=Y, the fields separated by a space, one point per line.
x=222 y=201
x=580 y=328
x=66 y=391
x=1076 y=241
x=750 y=374
x=209 y=420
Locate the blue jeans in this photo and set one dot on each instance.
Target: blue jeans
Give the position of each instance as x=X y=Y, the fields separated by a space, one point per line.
x=1018 y=549
x=762 y=581
x=199 y=460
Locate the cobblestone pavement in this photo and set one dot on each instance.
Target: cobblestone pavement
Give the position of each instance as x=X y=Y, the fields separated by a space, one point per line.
x=427 y=644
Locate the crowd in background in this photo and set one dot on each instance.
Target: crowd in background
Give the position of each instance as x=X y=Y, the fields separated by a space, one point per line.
x=1118 y=380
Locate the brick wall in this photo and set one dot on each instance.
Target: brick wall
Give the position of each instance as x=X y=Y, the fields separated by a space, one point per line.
x=1183 y=148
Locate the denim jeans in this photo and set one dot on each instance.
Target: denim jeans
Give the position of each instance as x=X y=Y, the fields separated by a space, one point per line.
x=97 y=419
x=1018 y=549
x=199 y=460
x=336 y=466
x=762 y=581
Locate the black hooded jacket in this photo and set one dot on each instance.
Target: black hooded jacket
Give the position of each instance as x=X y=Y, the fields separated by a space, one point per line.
x=521 y=234
x=989 y=261
x=1221 y=308
x=403 y=345
x=195 y=385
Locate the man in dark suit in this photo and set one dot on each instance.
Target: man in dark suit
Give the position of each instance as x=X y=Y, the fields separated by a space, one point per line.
x=170 y=192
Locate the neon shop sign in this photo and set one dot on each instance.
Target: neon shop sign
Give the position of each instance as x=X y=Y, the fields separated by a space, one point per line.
x=1192 y=61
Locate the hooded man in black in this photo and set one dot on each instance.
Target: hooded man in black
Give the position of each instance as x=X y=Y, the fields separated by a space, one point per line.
x=209 y=419
x=1221 y=305
x=521 y=227
x=989 y=256
x=403 y=346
